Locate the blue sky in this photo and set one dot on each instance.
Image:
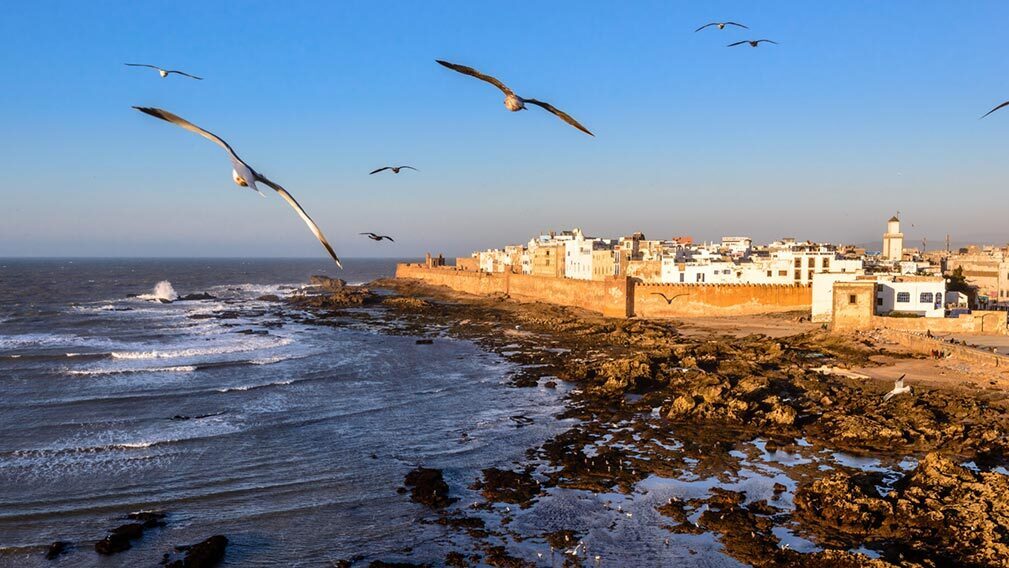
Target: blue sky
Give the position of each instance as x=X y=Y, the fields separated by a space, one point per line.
x=864 y=109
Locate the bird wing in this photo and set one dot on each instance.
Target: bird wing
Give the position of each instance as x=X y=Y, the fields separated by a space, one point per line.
x=415 y=169
x=706 y=26
x=142 y=65
x=304 y=216
x=735 y=24
x=179 y=121
x=899 y=383
x=737 y=43
x=474 y=73
x=376 y=171
x=387 y=237
x=1003 y=105
x=560 y=114
x=660 y=294
x=369 y=234
x=888 y=396
x=767 y=41
x=184 y=73
x=678 y=295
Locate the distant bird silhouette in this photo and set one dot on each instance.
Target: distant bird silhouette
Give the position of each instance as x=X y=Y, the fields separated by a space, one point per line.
x=395 y=169
x=667 y=298
x=721 y=26
x=752 y=42
x=242 y=173
x=512 y=101
x=898 y=388
x=1005 y=104
x=164 y=72
x=375 y=237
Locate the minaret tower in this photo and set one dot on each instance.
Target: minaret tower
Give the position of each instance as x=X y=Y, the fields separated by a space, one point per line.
x=893 y=240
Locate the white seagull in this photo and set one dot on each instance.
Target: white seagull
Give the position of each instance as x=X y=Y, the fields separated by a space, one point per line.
x=242 y=173
x=898 y=388
x=721 y=26
x=512 y=101
x=164 y=72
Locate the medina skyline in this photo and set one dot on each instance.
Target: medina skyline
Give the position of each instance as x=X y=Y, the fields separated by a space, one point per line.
x=849 y=119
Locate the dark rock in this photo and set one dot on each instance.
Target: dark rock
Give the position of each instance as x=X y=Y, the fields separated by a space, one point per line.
x=119 y=539
x=550 y=384
x=269 y=298
x=508 y=486
x=425 y=341
x=327 y=283
x=428 y=487
x=195 y=297
x=55 y=549
x=203 y=554
x=150 y=519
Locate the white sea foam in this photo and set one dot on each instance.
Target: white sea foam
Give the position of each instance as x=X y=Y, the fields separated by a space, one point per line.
x=45 y=340
x=162 y=291
x=175 y=369
x=250 y=387
x=243 y=347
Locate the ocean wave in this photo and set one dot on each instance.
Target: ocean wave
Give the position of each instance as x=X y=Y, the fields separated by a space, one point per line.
x=175 y=369
x=50 y=340
x=253 y=387
x=243 y=347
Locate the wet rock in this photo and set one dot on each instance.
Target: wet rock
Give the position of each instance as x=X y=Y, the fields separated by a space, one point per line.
x=327 y=283
x=508 y=486
x=456 y=560
x=550 y=384
x=428 y=487
x=149 y=519
x=425 y=341
x=268 y=298
x=119 y=539
x=407 y=303
x=205 y=554
x=55 y=549
x=195 y=297
x=381 y=564
x=559 y=540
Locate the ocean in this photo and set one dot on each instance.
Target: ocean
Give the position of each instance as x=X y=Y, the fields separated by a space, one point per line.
x=235 y=415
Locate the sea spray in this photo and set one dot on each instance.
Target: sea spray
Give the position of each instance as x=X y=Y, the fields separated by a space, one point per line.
x=163 y=291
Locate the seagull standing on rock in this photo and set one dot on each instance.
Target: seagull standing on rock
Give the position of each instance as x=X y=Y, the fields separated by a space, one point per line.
x=898 y=388
x=164 y=72
x=512 y=101
x=242 y=173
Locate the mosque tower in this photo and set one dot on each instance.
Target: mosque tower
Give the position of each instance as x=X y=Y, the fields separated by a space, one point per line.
x=893 y=240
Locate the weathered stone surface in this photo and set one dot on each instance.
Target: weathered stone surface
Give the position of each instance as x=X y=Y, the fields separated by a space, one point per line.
x=428 y=487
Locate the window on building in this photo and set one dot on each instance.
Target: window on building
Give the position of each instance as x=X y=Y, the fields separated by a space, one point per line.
x=852 y=299
x=768 y=273
x=798 y=263
x=879 y=301
x=700 y=277
x=682 y=275
x=798 y=275
x=903 y=297
x=782 y=273
x=826 y=263
x=810 y=275
x=926 y=297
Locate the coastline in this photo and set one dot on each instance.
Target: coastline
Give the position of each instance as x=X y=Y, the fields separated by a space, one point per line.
x=726 y=403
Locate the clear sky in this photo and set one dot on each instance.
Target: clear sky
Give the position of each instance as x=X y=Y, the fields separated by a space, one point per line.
x=865 y=108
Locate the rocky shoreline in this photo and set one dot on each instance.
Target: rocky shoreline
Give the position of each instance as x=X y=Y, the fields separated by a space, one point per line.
x=655 y=407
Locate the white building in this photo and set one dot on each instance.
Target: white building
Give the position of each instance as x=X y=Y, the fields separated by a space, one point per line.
x=920 y=295
x=893 y=241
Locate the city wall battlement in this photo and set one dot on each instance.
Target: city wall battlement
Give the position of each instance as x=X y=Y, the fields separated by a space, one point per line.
x=620 y=296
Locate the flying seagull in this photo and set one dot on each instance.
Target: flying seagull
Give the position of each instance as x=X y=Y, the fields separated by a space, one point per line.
x=395 y=169
x=721 y=26
x=752 y=42
x=242 y=173
x=1005 y=104
x=164 y=72
x=898 y=388
x=375 y=237
x=512 y=101
x=667 y=298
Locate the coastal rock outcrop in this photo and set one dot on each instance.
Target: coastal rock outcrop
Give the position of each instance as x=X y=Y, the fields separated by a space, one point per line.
x=428 y=487
x=327 y=293
x=204 y=554
x=506 y=486
x=940 y=512
x=120 y=538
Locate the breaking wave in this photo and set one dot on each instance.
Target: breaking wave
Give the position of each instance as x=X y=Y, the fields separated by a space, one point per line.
x=162 y=291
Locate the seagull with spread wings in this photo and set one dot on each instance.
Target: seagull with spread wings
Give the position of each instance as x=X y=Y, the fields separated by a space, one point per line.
x=512 y=101
x=669 y=300
x=164 y=72
x=375 y=237
x=1003 y=105
x=242 y=173
x=752 y=42
x=721 y=26
x=898 y=388
x=395 y=169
